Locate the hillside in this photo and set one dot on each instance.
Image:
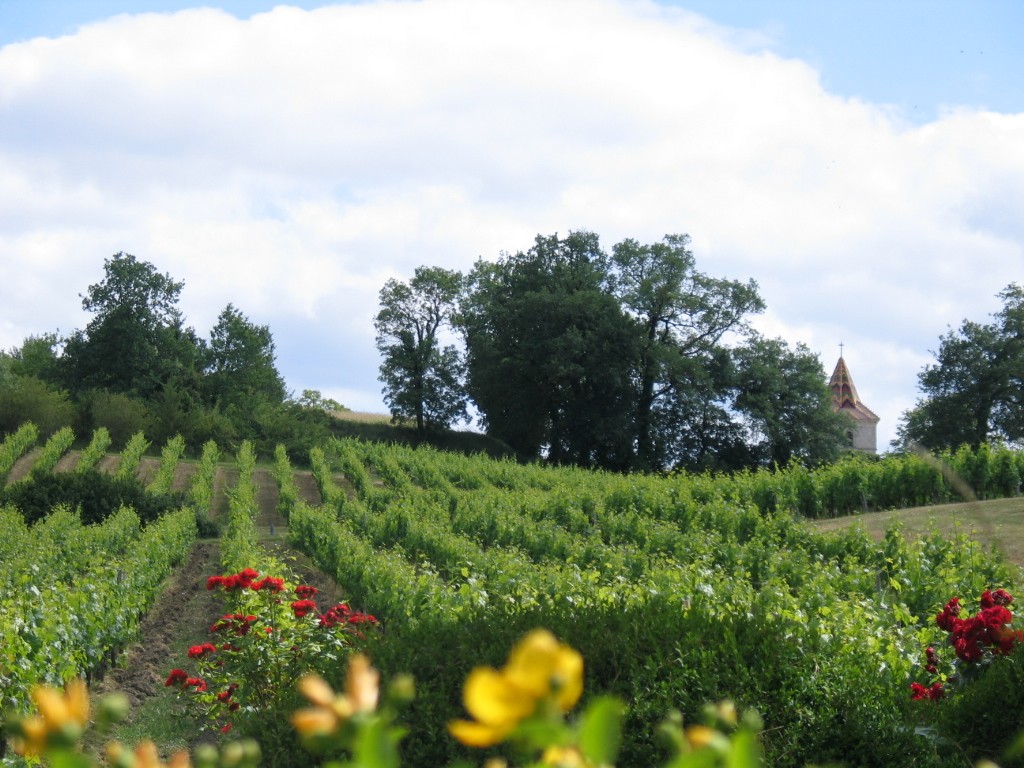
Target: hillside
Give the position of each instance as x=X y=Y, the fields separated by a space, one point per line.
x=678 y=591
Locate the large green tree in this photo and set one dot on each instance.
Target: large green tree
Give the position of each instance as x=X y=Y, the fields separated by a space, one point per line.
x=785 y=403
x=974 y=392
x=422 y=379
x=136 y=341
x=550 y=354
x=682 y=315
x=240 y=368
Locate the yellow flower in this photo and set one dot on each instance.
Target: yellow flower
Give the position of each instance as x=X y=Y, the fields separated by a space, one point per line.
x=61 y=713
x=330 y=711
x=145 y=755
x=701 y=736
x=362 y=684
x=542 y=665
x=564 y=757
x=538 y=668
x=315 y=721
x=316 y=690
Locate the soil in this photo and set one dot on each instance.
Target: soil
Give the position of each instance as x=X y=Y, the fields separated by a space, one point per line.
x=23 y=466
x=68 y=461
x=108 y=464
x=309 y=493
x=147 y=469
x=183 y=476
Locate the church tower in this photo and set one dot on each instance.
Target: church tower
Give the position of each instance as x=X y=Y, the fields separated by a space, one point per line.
x=862 y=432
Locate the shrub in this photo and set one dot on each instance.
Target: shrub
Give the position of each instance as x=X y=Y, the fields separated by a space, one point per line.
x=26 y=398
x=97 y=495
x=122 y=415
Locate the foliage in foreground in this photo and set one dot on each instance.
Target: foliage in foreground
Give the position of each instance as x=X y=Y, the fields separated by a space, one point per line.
x=525 y=708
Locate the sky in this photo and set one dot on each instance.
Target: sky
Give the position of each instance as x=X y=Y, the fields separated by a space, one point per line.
x=863 y=161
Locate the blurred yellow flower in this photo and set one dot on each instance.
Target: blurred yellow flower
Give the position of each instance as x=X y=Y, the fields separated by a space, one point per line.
x=362 y=684
x=330 y=710
x=64 y=714
x=538 y=668
x=563 y=757
x=145 y=755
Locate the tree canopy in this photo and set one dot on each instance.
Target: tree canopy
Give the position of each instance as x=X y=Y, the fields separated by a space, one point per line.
x=136 y=342
x=973 y=392
x=422 y=379
x=628 y=360
x=550 y=354
x=137 y=365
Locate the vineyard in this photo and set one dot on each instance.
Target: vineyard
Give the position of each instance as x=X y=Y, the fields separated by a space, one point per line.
x=677 y=591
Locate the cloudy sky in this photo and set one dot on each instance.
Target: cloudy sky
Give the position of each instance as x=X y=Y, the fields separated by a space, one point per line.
x=863 y=162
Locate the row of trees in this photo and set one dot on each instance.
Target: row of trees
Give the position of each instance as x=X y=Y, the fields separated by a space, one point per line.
x=632 y=359
x=137 y=365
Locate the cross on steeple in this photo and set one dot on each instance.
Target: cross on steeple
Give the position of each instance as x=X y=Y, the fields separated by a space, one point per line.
x=840 y=349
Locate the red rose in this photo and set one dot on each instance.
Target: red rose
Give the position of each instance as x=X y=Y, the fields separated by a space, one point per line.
x=303 y=607
x=177 y=677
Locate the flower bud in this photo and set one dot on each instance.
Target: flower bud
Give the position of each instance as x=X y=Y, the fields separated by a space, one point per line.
x=251 y=751
x=206 y=756
x=113 y=708
x=118 y=756
x=66 y=735
x=232 y=755
x=402 y=689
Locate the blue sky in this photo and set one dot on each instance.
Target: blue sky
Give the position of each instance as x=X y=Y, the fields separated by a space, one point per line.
x=862 y=161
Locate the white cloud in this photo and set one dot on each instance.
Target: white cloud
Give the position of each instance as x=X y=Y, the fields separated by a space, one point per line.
x=292 y=162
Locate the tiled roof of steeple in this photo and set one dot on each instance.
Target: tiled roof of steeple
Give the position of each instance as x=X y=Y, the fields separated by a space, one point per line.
x=844 y=394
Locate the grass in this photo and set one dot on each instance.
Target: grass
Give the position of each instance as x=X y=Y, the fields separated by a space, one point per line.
x=362 y=417
x=998 y=523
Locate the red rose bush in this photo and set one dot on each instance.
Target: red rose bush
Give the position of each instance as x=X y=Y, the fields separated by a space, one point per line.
x=275 y=633
x=976 y=641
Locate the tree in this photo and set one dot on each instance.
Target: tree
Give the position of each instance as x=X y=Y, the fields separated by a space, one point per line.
x=38 y=357
x=786 y=404
x=682 y=316
x=973 y=392
x=550 y=354
x=240 y=370
x=422 y=380
x=136 y=341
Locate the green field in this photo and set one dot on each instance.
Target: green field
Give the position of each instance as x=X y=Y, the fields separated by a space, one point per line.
x=678 y=591
x=995 y=523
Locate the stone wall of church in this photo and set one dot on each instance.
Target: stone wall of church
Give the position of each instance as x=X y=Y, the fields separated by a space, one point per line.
x=865 y=436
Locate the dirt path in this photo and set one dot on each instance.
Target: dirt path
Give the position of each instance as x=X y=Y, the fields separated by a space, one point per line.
x=307 y=488
x=182 y=614
x=23 y=466
x=68 y=461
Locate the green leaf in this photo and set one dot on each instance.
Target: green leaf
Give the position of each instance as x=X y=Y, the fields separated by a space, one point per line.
x=745 y=752
x=600 y=730
x=376 y=744
x=66 y=758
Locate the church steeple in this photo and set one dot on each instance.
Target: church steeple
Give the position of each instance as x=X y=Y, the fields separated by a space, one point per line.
x=845 y=400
